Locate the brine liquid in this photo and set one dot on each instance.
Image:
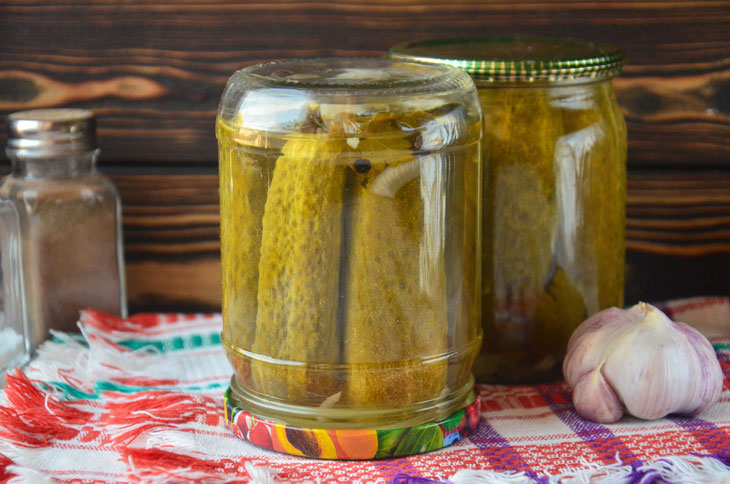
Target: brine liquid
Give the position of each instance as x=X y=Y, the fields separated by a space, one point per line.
x=350 y=276
x=553 y=223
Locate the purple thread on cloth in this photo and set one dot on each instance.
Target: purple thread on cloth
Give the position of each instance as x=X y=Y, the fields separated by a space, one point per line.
x=406 y=479
x=704 y=432
x=392 y=468
x=648 y=477
x=538 y=480
x=591 y=433
x=485 y=438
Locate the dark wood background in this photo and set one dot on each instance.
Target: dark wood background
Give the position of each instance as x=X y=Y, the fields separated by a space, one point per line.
x=153 y=71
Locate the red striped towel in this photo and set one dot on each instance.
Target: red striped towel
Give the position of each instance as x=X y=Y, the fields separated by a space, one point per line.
x=140 y=400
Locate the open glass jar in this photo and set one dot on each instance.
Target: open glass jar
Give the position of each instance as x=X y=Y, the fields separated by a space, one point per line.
x=350 y=249
x=553 y=209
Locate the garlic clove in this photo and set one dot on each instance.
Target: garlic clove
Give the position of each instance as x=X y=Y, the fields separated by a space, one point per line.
x=586 y=344
x=393 y=178
x=709 y=366
x=653 y=365
x=595 y=400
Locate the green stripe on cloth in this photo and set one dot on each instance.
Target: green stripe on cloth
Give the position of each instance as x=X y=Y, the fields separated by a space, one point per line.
x=177 y=343
x=71 y=393
x=722 y=347
x=107 y=386
x=77 y=337
x=187 y=342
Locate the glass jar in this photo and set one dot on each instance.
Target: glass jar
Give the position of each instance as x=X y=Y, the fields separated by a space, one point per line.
x=65 y=222
x=15 y=345
x=349 y=213
x=553 y=210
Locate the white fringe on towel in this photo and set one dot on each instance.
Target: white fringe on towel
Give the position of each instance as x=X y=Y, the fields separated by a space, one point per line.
x=675 y=469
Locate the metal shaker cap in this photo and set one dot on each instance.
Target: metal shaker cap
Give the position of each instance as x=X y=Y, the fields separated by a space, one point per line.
x=41 y=133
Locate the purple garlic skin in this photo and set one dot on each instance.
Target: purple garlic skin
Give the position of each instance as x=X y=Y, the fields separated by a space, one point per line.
x=640 y=362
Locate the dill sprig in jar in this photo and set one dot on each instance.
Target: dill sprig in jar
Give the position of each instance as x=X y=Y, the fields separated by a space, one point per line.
x=554 y=189
x=350 y=253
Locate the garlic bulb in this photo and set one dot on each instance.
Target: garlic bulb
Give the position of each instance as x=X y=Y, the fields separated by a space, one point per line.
x=640 y=361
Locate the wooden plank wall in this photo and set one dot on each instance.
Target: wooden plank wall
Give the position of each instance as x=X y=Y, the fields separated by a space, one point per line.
x=154 y=70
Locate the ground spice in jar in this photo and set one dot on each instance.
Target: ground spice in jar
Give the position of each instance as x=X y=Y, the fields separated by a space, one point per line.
x=70 y=254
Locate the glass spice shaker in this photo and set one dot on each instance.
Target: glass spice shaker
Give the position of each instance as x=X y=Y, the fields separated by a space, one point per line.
x=67 y=238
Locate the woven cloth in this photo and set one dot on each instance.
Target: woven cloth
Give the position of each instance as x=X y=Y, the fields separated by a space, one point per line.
x=140 y=400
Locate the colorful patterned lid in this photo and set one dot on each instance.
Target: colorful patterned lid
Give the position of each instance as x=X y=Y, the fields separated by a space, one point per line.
x=351 y=444
x=518 y=59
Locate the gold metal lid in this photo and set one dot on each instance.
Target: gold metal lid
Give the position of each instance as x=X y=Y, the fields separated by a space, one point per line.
x=518 y=59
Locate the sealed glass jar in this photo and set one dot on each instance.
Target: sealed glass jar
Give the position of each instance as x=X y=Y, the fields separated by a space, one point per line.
x=350 y=252
x=553 y=210
x=61 y=224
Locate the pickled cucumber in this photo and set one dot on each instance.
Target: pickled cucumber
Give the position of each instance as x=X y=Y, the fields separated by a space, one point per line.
x=393 y=318
x=297 y=319
x=244 y=178
x=395 y=313
x=519 y=220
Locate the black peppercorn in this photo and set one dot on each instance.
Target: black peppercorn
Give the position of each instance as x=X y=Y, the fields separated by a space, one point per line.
x=362 y=166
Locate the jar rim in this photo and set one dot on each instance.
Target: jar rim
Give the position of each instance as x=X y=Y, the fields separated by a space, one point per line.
x=518 y=59
x=352 y=75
